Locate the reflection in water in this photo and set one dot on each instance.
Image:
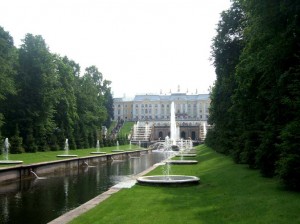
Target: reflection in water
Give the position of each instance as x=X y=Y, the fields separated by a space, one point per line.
x=5 y=210
x=40 y=201
x=66 y=189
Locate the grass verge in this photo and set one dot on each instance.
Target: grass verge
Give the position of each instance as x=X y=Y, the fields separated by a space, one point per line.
x=228 y=193
x=126 y=128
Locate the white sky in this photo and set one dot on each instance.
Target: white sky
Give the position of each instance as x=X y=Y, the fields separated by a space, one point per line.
x=142 y=46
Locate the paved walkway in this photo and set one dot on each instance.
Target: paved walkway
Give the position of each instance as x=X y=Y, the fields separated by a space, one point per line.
x=67 y=217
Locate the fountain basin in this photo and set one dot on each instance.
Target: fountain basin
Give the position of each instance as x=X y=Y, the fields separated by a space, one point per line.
x=167 y=180
x=186 y=155
x=10 y=161
x=98 y=152
x=66 y=156
x=182 y=162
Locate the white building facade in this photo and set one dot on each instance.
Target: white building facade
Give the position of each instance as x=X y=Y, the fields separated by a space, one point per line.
x=188 y=107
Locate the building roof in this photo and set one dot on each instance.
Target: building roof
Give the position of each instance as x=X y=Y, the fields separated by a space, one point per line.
x=170 y=97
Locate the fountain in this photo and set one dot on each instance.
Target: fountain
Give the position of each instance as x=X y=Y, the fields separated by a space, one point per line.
x=117 y=150
x=66 y=149
x=166 y=178
x=98 y=149
x=166 y=147
x=173 y=130
x=182 y=155
x=5 y=152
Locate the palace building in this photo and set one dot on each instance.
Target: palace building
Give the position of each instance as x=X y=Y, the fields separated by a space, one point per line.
x=148 y=107
x=152 y=115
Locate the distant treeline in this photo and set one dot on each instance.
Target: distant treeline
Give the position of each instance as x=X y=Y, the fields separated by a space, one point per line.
x=255 y=109
x=44 y=99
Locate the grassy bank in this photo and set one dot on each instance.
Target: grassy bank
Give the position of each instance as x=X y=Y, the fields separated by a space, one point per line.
x=228 y=193
x=29 y=158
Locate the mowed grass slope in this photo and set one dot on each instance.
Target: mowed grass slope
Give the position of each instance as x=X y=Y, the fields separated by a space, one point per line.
x=228 y=193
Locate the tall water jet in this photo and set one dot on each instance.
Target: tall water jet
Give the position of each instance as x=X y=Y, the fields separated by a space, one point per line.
x=5 y=152
x=66 y=150
x=146 y=132
x=98 y=148
x=204 y=129
x=5 y=149
x=173 y=129
x=118 y=148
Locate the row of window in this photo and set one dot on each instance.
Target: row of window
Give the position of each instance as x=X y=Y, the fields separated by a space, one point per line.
x=149 y=111
x=156 y=117
x=156 y=105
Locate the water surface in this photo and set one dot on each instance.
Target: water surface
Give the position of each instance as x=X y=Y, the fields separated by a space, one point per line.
x=40 y=201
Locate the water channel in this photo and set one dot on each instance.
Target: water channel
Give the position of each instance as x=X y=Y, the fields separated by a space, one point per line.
x=42 y=200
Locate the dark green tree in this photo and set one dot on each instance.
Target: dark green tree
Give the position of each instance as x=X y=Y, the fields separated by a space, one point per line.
x=257 y=92
x=16 y=142
x=8 y=64
x=90 y=105
x=66 y=108
x=272 y=36
x=37 y=81
x=226 y=49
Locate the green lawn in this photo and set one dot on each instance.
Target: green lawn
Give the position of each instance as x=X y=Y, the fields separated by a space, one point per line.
x=29 y=158
x=111 y=127
x=228 y=193
x=126 y=128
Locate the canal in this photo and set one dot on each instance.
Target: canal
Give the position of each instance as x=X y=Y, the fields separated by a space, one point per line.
x=38 y=201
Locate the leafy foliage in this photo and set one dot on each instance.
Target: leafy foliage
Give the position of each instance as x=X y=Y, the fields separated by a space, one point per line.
x=44 y=96
x=8 y=60
x=255 y=113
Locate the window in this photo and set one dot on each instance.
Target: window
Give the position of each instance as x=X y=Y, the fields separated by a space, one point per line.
x=182 y=135
x=160 y=135
x=193 y=135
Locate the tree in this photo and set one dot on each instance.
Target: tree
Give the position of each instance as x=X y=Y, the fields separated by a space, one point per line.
x=35 y=104
x=66 y=108
x=91 y=104
x=226 y=49
x=272 y=42
x=8 y=64
x=257 y=92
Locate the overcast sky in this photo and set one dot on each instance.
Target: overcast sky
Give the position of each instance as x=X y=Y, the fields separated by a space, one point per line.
x=142 y=46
